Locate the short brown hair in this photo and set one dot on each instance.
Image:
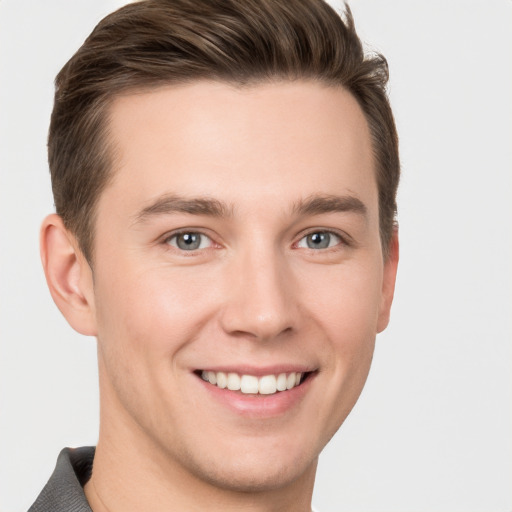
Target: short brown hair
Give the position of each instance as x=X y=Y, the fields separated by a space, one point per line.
x=150 y=43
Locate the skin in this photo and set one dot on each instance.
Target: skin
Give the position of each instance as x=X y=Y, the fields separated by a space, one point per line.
x=253 y=295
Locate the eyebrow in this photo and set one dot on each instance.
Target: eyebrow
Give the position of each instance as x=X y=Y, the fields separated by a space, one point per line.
x=169 y=204
x=318 y=204
x=312 y=205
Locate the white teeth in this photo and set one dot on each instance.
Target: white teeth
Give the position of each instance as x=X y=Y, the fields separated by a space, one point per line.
x=268 y=385
x=249 y=384
x=233 y=381
x=281 y=382
x=222 y=380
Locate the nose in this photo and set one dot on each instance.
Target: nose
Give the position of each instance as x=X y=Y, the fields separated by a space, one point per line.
x=260 y=298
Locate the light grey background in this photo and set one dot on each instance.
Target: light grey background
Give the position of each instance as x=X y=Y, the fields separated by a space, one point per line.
x=433 y=429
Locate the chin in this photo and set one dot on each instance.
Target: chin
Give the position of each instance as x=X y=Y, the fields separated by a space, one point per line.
x=254 y=475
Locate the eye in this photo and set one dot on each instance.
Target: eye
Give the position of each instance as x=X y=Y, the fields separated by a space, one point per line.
x=189 y=241
x=319 y=240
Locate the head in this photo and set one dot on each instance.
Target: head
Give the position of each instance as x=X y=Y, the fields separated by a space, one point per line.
x=225 y=176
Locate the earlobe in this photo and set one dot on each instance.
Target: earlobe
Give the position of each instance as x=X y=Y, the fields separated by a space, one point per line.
x=68 y=275
x=388 y=282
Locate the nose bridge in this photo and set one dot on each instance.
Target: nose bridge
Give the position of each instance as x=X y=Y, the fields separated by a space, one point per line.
x=260 y=300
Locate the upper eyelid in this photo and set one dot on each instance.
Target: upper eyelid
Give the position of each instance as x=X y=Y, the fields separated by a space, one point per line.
x=342 y=241
x=342 y=235
x=173 y=233
x=165 y=241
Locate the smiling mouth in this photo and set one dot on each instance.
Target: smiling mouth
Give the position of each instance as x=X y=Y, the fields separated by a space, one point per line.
x=252 y=385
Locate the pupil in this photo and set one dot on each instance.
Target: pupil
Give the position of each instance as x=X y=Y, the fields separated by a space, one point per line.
x=188 y=238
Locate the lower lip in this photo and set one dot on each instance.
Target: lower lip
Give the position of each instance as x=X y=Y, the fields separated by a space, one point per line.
x=256 y=405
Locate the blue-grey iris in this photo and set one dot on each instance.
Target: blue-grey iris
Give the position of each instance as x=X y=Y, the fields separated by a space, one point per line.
x=318 y=240
x=188 y=241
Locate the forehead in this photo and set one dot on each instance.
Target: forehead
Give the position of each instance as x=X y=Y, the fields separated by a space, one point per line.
x=214 y=139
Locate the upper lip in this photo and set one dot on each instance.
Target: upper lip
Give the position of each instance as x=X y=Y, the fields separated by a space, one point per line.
x=259 y=371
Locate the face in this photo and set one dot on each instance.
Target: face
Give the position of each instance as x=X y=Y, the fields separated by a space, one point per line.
x=237 y=245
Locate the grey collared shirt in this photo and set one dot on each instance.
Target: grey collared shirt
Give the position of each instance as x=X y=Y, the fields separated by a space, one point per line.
x=64 y=491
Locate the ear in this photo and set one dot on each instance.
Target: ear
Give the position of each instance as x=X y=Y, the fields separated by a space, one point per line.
x=388 y=281
x=68 y=275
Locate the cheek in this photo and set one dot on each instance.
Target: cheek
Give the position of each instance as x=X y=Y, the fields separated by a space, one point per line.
x=347 y=303
x=347 y=315
x=144 y=320
x=153 y=311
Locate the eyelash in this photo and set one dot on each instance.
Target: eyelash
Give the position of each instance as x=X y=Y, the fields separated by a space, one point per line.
x=175 y=235
x=342 y=241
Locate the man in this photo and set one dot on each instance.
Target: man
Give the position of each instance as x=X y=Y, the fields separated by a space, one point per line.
x=224 y=174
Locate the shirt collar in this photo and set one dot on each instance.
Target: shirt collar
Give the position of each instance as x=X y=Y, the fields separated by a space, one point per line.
x=64 y=491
